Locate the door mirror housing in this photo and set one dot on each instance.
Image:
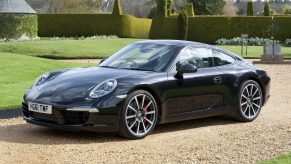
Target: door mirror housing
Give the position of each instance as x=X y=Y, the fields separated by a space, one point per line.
x=185 y=68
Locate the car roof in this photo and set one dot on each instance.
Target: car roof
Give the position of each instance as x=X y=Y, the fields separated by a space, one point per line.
x=184 y=43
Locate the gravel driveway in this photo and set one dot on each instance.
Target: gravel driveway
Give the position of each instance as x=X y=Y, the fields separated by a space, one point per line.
x=211 y=140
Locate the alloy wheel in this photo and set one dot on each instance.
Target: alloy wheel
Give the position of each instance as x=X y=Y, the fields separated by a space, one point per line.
x=251 y=101
x=140 y=115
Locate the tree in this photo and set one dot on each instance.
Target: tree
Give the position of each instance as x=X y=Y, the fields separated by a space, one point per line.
x=250 y=8
x=117 y=10
x=208 y=7
x=169 y=7
x=267 y=9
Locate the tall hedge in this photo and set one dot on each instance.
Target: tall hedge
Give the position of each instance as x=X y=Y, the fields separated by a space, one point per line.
x=250 y=8
x=14 y=26
x=69 y=25
x=117 y=9
x=164 y=28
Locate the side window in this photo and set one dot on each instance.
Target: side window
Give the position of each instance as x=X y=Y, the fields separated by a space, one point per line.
x=222 y=59
x=199 y=57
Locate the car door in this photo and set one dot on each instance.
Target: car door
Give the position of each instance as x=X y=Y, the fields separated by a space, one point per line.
x=194 y=91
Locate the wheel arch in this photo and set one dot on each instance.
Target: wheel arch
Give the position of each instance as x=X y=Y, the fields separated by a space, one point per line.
x=154 y=93
x=256 y=79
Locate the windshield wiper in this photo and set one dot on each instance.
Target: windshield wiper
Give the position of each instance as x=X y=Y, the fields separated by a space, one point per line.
x=106 y=66
x=139 y=69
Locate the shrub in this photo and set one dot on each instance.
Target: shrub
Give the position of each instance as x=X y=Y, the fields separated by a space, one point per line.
x=266 y=8
x=183 y=25
x=250 y=8
x=15 y=26
x=287 y=42
x=238 y=41
x=117 y=10
x=189 y=9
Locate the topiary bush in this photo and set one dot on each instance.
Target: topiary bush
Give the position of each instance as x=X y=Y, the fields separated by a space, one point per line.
x=15 y=26
x=117 y=9
x=188 y=7
x=250 y=8
x=183 y=25
x=266 y=8
x=162 y=8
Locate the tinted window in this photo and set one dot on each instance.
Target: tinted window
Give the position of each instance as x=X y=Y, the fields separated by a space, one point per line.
x=222 y=59
x=143 y=56
x=199 y=57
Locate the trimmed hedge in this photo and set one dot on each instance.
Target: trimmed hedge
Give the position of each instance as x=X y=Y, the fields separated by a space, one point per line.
x=70 y=25
x=209 y=29
x=14 y=26
x=164 y=28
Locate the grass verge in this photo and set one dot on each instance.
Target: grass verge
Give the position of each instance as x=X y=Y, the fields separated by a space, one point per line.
x=282 y=159
x=97 y=48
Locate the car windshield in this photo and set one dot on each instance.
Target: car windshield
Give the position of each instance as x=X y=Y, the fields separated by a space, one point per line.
x=143 y=56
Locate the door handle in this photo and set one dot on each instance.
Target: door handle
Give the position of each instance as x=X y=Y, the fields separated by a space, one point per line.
x=217 y=79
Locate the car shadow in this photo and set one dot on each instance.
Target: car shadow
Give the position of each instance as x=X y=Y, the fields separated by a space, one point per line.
x=31 y=134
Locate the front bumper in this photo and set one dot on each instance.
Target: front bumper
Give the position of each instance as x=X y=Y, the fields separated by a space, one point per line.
x=64 y=119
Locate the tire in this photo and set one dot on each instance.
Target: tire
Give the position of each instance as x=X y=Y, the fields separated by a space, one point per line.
x=138 y=116
x=250 y=100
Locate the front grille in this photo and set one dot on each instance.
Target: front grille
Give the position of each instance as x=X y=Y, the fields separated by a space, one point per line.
x=75 y=118
x=59 y=116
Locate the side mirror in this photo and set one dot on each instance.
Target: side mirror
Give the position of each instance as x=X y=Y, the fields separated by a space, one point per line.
x=185 y=68
x=102 y=60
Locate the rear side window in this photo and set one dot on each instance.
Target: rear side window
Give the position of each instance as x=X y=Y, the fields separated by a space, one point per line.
x=199 y=57
x=221 y=59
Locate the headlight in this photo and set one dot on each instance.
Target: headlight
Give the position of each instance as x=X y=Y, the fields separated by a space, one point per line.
x=41 y=79
x=103 y=88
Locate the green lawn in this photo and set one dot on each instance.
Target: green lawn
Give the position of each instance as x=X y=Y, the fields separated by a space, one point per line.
x=96 y=48
x=68 y=48
x=256 y=51
x=18 y=72
x=282 y=159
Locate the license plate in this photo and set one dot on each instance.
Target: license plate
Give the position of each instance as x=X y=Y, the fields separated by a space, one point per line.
x=40 y=108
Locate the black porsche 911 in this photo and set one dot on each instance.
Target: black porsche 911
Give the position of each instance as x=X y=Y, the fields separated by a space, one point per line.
x=147 y=83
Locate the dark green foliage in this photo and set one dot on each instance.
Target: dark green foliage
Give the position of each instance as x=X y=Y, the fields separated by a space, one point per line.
x=266 y=9
x=182 y=25
x=250 y=8
x=13 y=26
x=169 y=7
x=117 y=10
x=189 y=9
x=208 y=7
x=153 y=13
x=209 y=29
x=162 y=8
x=70 y=25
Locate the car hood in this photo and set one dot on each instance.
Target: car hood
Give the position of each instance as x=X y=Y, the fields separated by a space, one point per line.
x=74 y=85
